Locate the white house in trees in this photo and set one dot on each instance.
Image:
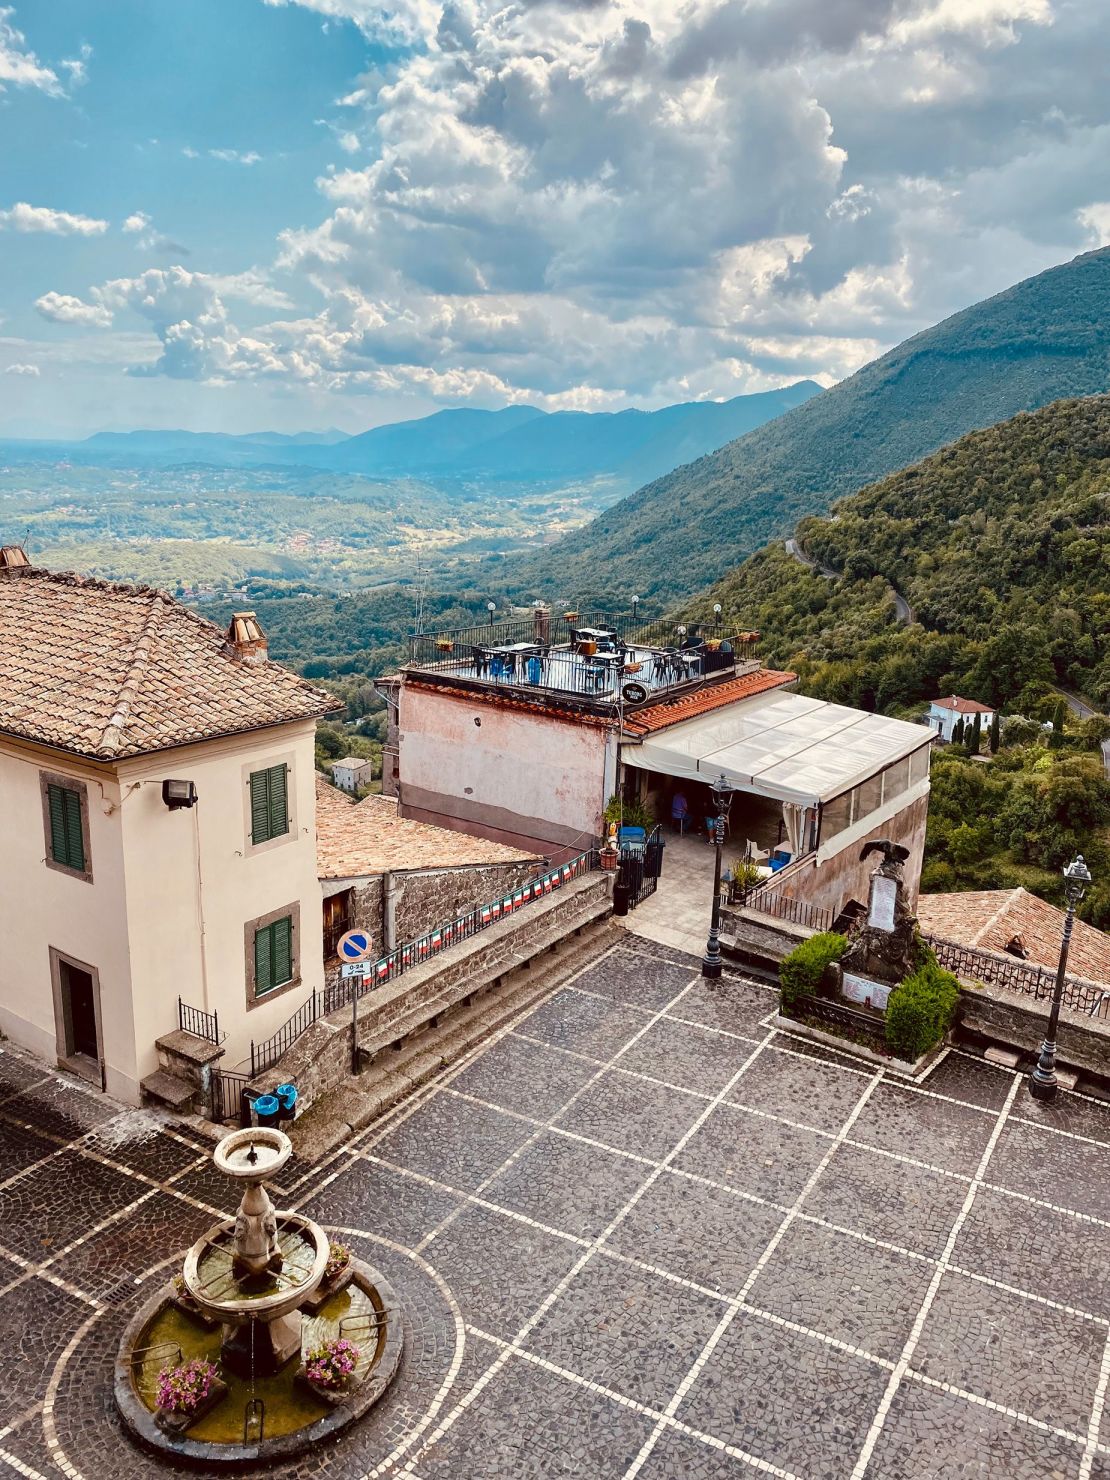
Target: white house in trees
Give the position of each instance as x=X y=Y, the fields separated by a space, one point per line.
x=945 y=714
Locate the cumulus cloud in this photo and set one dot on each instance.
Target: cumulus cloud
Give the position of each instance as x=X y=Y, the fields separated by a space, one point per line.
x=24 y=217
x=590 y=202
x=19 y=66
x=137 y=221
x=23 y=369
x=63 y=308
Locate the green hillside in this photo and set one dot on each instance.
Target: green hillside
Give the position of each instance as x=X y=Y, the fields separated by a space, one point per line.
x=1046 y=338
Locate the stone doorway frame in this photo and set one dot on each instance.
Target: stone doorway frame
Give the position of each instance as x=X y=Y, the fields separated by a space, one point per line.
x=68 y=1058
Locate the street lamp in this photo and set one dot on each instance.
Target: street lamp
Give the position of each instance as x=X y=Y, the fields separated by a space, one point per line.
x=491 y=607
x=721 y=791
x=1042 y=1081
x=716 y=613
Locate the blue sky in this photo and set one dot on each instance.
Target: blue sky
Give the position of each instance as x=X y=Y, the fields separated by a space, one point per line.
x=240 y=214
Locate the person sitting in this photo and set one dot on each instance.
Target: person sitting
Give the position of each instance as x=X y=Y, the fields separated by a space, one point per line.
x=680 y=812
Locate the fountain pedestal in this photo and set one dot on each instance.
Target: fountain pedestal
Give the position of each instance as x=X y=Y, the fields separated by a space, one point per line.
x=261 y=1348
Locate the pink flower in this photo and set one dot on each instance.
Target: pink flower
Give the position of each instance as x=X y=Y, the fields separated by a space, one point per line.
x=184 y=1388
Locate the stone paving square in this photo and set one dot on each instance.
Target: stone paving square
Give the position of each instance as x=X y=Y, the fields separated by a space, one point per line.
x=632 y=1114
x=833 y=1283
x=799 y=1088
x=687 y=1056
x=884 y=1199
x=528 y=1078
x=479 y=1199
x=626 y=1329
x=732 y=1232
x=454 y=1142
x=800 y=1404
x=933 y=1435
x=567 y=1184
x=753 y=1153
x=1040 y=1360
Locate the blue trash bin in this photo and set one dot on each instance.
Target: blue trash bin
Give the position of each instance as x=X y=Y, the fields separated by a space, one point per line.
x=267 y=1109
x=287 y=1101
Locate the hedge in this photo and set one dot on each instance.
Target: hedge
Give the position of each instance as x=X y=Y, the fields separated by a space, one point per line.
x=800 y=973
x=920 y=1011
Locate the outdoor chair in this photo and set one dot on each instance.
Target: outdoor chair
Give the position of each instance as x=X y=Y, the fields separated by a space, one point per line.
x=754 y=854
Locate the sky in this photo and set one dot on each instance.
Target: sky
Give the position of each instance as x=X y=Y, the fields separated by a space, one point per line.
x=291 y=215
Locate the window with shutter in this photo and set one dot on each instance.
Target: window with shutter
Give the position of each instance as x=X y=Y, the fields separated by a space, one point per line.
x=273 y=955
x=269 y=804
x=67 y=845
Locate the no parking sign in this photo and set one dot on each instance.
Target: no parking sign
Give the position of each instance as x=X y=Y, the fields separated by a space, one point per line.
x=356 y=945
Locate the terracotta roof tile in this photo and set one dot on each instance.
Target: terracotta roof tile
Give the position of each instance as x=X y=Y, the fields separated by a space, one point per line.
x=963 y=706
x=991 y=918
x=110 y=670
x=674 y=711
x=354 y=839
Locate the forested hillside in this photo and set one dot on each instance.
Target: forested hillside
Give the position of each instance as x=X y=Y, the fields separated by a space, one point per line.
x=1046 y=338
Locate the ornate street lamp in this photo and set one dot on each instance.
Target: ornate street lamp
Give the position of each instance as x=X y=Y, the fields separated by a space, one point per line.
x=491 y=607
x=717 y=614
x=721 y=791
x=1042 y=1081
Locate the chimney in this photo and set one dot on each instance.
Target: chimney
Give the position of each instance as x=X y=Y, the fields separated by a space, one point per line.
x=246 y=639
x=541 y=622
x=13 y=561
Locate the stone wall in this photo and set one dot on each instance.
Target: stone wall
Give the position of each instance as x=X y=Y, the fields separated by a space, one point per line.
x=761 y=941
x=426 y=898
x=1019 y=1022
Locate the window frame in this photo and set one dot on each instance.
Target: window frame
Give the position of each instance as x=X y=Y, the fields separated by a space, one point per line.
x=257 y=767
x=255 y=995
x=58 y=780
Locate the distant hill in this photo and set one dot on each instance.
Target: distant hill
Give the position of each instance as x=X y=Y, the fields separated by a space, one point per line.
x=1046 y=338
x=517 y=443
x=1000 y=544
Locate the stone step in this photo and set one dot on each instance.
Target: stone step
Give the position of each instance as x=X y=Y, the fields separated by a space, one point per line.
x=187 y=1055
x=395 y=1073
x=163 y=1088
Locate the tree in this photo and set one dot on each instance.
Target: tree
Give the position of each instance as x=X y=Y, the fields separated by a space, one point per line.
x=1056 y=739
x=994 y=735
x=975 y=738
x=958 y=731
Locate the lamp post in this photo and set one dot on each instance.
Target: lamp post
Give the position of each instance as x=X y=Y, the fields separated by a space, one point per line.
x=1042 y=1081
x=491 y=607
x=721 y=792
x=717 y=614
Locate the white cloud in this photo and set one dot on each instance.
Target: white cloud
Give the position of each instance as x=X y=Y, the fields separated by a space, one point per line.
x=137 y=221
x=77 y=67
x=1095 y=219
x=62 y=308
x=24 y=217
x=23 y=369
x=227 y=156
x=18 y=65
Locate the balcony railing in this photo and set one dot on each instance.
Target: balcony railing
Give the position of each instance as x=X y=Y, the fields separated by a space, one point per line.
x=973 y=963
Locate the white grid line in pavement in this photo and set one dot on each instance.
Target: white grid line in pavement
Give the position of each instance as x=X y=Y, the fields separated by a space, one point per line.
x=914 y=1337
x=726 y=1320
x=554 y=1294
x=709 y=1440
x=541 y=1126
x=1091 y=1445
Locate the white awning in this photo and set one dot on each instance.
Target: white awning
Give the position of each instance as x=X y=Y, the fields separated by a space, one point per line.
x=781 y=745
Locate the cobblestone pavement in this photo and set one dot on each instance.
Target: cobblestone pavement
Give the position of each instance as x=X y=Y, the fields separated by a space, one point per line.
x=639 y=1234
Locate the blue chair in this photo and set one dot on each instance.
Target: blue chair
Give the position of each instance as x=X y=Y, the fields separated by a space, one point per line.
x=779 y=859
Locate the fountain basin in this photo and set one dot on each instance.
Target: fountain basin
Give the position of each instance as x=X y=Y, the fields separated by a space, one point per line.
x=220 y=1295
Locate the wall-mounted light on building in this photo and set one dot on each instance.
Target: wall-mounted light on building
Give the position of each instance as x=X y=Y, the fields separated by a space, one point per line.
x=177 y=794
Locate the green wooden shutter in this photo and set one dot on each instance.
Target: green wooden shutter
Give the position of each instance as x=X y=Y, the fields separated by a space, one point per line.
x=282 y=950
x=269 y=804
x=67 y=845
x=263 y=961
x=279 y=802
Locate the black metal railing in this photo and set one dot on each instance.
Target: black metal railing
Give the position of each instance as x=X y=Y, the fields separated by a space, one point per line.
x=641 y=862
x=414 y=953
x=333 y=934
x=198 y=1022
x=225 y=1096
x=975 y=964
x=796 y=911
x=841 y=1020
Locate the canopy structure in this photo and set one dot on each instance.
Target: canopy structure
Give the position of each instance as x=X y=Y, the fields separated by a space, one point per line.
x=782 y=746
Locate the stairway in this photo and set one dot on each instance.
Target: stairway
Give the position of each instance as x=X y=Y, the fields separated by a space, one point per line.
x=180 y=1083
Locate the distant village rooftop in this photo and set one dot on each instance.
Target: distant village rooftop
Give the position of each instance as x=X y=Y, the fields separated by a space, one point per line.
x=357 y=839
x=962 y=706
x=107 y=670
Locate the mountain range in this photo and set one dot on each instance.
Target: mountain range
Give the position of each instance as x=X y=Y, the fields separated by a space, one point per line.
x=1046 y=338
x=518 y=443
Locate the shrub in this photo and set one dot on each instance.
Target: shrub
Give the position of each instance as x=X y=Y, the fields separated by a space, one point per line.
x=800 y=973
x=634 y=813
x=920 y=1010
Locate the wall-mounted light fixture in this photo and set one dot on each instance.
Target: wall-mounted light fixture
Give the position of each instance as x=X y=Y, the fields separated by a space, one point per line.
x=177 y=794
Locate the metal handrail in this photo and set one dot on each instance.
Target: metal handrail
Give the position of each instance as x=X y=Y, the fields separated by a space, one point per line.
x=198 y=1022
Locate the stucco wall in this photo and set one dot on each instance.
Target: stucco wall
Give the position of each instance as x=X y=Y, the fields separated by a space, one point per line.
x=42 y=907
x=532 y=780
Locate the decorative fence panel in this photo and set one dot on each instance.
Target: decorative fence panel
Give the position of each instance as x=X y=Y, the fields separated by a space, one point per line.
x=414 y=953
x=640 y=866
x=975 y=964
x=768 y=897
x=198 y=1022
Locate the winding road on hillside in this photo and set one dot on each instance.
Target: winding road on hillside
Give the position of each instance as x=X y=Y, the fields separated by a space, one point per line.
x=902 y=609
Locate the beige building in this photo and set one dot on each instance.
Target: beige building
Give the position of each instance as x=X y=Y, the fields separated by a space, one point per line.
x=157 y=784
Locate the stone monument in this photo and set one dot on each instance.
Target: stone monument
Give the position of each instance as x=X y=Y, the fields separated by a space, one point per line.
x=884 y=952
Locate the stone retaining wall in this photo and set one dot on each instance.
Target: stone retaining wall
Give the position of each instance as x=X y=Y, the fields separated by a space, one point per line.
x=1019 y=1022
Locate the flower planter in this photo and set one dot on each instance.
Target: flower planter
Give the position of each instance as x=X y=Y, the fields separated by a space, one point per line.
x=327 y=1288
x=609 y=858
x=173 y=1421
x=332 y=1396
x=588 y=647
x=632 y=668
x=443 y=646
x=713 y=644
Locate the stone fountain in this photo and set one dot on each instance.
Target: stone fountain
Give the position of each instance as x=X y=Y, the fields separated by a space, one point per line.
x=252 y=1296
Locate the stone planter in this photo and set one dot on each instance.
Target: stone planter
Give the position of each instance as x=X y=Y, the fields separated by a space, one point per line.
x=332 y=1396
x=185 y=1303
x=327 y=1288
x=171 y=1422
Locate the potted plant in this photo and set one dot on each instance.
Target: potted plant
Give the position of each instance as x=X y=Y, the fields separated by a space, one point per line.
x=339 y=1271
x=329 y=1368
x=713 y=644
x=185 y=1393
x=571 y=616
x=444 y=644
